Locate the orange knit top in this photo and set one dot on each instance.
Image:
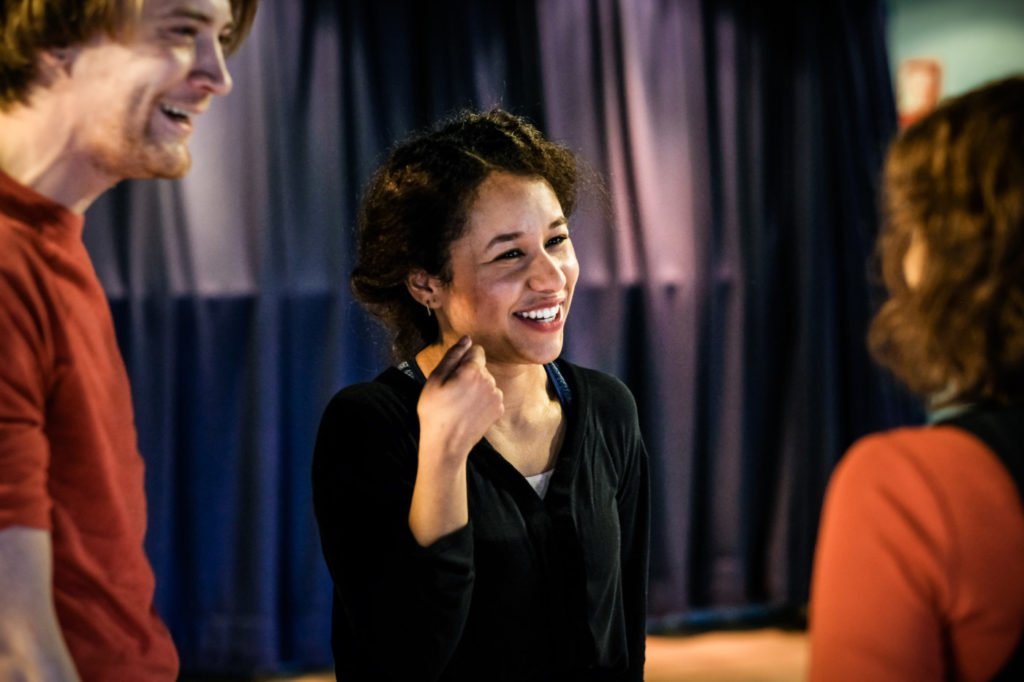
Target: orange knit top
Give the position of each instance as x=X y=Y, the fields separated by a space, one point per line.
x=919 y=571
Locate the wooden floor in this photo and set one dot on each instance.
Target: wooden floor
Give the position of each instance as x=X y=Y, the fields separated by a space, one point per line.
x=753 y=656
x=757 y=656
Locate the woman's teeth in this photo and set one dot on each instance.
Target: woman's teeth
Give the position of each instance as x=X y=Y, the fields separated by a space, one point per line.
x=542 y=314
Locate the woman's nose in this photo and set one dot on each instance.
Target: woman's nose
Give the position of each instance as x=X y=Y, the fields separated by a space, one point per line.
x=546 y=273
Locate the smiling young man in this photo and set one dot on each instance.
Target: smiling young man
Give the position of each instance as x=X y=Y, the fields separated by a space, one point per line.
x=91 y=92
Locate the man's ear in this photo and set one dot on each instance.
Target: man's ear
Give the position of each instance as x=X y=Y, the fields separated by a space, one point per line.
x=424 y=288
x=57 y=61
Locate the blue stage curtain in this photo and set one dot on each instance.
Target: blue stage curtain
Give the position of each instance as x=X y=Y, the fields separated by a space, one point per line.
x=724 y=278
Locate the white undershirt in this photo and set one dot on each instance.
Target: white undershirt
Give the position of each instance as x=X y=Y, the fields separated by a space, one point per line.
x=540 y=482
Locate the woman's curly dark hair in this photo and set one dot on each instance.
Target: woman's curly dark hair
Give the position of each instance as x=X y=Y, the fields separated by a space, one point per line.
x=416 y=205
x=955 y=181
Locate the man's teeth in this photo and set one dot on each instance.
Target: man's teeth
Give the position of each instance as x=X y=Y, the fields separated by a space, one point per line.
x=174 y=112
x=542 y=314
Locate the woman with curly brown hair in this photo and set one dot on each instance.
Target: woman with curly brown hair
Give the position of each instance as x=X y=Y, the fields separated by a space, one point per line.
x=920 y=559
x=482 y=504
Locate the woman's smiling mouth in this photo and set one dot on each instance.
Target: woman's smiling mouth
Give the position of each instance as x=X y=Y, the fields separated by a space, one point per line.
x=542 y=315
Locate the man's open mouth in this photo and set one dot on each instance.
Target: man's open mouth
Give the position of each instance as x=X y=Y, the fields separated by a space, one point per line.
x=176 y=114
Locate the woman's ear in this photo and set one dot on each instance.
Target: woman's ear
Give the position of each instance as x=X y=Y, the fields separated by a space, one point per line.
x=914 y=259
x=424 y=288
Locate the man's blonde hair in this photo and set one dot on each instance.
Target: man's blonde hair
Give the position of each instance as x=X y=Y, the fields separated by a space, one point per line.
x=28 y=27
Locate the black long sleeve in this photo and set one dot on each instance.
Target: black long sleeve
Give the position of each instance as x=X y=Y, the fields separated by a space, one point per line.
x=530 y=590
x=400 y=608
x=634 y=519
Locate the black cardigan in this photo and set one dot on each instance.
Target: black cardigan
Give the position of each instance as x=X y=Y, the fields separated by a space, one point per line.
x=530 y=590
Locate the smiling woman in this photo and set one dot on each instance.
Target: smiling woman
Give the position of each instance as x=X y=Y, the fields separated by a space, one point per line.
x=512 y=274
x=483 y=504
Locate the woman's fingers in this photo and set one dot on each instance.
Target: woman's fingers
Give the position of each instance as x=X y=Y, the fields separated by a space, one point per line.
x=460 y=401
x=452 y=359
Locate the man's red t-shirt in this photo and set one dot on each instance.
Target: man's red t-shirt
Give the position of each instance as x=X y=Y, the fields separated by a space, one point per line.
x=69 y=461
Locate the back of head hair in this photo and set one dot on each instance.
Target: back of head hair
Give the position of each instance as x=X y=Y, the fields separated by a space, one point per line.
x=956 y=180
x=416 y=205
x=30 y=26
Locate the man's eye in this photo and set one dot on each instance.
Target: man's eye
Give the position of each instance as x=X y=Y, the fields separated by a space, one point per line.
x=184 y=31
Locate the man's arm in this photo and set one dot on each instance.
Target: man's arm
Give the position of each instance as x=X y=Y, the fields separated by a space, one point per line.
x=31 y=644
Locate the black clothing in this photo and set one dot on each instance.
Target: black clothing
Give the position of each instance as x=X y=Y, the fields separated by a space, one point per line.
x=531 y=590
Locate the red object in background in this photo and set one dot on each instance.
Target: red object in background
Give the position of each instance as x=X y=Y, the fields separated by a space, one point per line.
x=918 y=88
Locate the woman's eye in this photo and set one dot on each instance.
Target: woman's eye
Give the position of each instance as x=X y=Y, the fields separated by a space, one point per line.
x=560 y=239
x=509 y=255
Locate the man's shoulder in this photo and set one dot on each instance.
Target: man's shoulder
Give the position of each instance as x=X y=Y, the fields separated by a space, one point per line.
x=25 y=272
x=21 y=253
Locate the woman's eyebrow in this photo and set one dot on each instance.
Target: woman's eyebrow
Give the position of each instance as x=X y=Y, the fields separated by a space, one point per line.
x=503 y=238
x=512 y=236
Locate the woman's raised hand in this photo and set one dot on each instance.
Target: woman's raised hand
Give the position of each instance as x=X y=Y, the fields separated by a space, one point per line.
x=459 y=403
